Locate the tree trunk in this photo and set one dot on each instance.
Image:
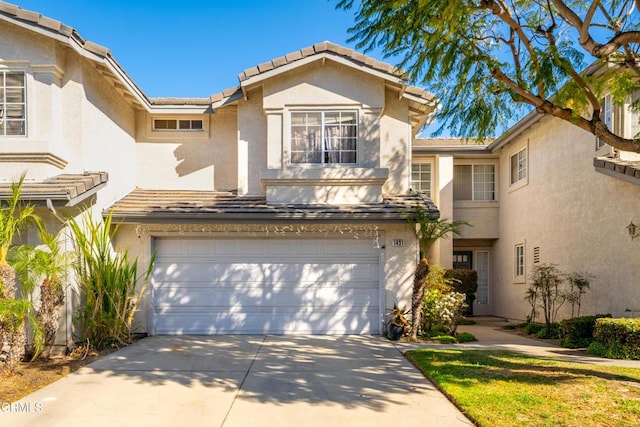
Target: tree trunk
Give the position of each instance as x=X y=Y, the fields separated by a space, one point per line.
x=51 y=299
x=419 y=285
x=12 y=329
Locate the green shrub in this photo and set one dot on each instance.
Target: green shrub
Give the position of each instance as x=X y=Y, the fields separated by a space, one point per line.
x=466 y=337
x=465 y=321
x=445 y=339
x=532 y=328
x=597 y=349
x=620 y=337
x=578 y=332
x=108 y=281
x=552 y=332
x=514 y=326
x=463 y=281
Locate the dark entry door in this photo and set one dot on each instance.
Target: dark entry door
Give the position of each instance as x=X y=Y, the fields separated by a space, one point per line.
x=462 y=260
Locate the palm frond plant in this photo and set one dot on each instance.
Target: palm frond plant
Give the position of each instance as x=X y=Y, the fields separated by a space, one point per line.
x=428 y=230
x=45 y=267
x=14 y=217
x=108 y=282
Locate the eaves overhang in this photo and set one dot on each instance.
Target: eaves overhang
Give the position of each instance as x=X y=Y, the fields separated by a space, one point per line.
x=171 y=206
x=628 y=171
x=62 y=190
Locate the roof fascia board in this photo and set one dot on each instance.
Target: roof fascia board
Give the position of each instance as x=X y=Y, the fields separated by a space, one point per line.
x=32 y=27
x=179 y=109
x=323 y=55
x=515 y=131
x=452 y=150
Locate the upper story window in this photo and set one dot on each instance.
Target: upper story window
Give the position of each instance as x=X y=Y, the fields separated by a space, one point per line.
x=324 y=137
x=421 y=177
x=519 y=166
x=177 y=124
x=13 y=104
x=606 y=116
x=474 y=182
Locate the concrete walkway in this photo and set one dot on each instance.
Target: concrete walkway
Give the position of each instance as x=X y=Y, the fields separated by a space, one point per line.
x=491 y=336
x=241 y=381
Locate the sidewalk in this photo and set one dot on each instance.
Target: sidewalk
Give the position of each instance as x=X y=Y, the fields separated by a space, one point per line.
x=491 y=337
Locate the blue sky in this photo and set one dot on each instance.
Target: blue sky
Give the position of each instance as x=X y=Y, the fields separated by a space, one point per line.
x=195 y=48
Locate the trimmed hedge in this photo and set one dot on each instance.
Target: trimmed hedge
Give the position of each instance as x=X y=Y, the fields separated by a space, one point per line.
x=617 y=338
x=578 y=332
x=464 y=281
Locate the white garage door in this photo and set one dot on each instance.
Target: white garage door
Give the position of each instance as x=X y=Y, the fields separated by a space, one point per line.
x=260 y=286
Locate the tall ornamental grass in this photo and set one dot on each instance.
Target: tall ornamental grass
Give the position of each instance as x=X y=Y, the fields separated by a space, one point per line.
x=107 y=281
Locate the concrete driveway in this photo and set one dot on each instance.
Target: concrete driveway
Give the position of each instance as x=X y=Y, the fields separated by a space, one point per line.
x=241 y=381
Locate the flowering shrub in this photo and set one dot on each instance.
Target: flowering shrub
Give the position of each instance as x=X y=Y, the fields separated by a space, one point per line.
x=441 y=311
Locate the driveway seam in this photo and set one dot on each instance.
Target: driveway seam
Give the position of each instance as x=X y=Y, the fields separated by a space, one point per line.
x=255 y=356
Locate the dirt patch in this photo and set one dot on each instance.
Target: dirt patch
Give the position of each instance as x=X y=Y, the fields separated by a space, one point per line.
x=32 y=376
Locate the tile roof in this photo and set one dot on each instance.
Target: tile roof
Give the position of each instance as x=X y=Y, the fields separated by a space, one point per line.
x=167 y=205
x=67 y=188
x=626 y=170
x=317 y=48
x=330 y=48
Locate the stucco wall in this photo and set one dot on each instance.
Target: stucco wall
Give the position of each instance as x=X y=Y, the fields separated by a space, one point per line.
x=205 y=160
x=574 y=215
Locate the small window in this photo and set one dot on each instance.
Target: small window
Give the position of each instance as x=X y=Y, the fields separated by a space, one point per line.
x=175 y=124
x=519 y=262
x=606 y=117
x=324 y=137
x=13 y=103
x=519 y=166
x=421 y=177
x=474 y=182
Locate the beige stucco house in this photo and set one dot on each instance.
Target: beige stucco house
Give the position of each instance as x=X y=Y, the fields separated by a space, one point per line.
x=275 y=206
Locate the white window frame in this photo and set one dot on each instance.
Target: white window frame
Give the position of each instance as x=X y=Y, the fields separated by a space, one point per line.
x=4 y=103
x=178 y=123
x=420 y=187
x=473 y=182
x=323 y=125
x=522 y=165
x=519 y=262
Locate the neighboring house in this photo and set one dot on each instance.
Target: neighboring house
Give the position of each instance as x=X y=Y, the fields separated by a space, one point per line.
x=274 y=206
x=545 y=192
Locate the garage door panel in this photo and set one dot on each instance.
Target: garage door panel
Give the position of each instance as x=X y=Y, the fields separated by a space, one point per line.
x=204 y=285
x=260 y=297
x=267 y=273
x=282 y=321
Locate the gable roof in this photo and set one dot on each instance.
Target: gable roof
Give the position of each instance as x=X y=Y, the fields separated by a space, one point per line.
x=105 y=63
x=110 y=69
x=320 y=51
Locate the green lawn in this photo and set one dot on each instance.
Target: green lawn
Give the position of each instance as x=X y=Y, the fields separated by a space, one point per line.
x=499 y=388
